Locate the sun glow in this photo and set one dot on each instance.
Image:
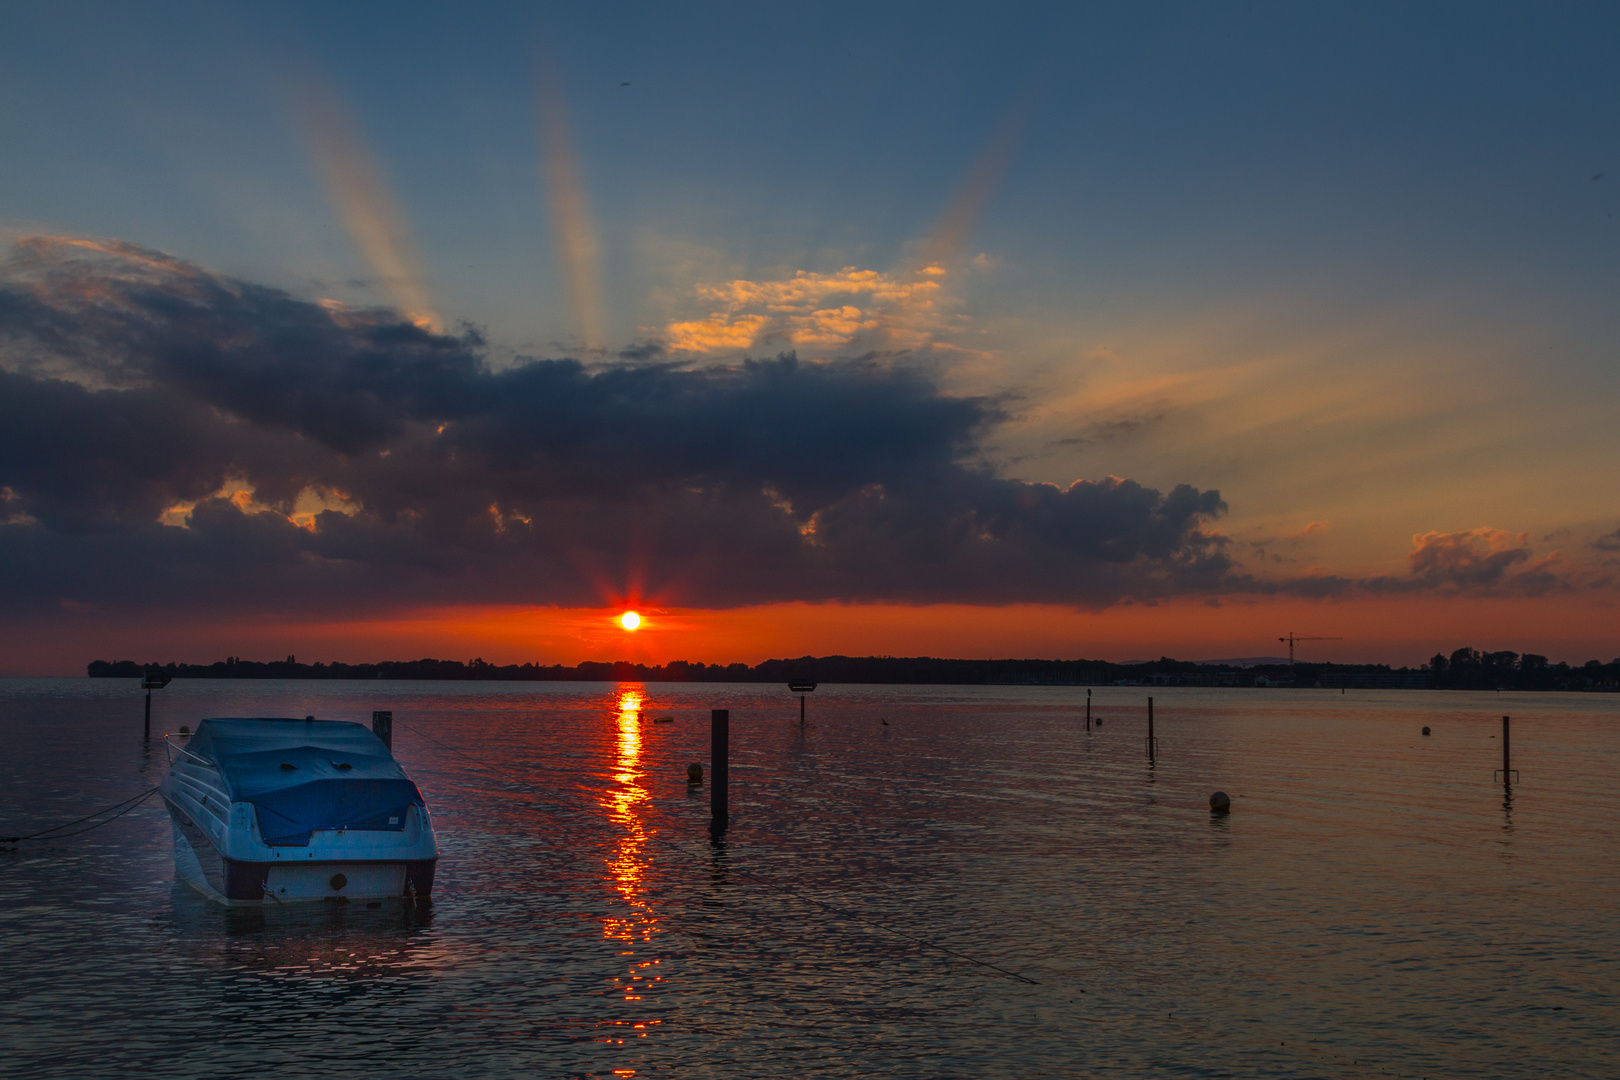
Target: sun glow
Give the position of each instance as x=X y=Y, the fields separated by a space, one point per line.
x=630 y=620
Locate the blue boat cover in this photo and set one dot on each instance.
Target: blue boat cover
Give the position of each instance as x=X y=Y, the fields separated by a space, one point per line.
x=342 y=776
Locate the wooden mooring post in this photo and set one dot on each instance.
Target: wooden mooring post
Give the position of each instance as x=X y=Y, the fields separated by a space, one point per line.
x=719 y=774
x=152 y=678
x=1509 y=773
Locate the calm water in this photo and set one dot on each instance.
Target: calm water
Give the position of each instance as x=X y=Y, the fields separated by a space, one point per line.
x=1373 y=906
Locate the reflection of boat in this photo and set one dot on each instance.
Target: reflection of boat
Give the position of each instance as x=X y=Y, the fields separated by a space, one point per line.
x=296 y=810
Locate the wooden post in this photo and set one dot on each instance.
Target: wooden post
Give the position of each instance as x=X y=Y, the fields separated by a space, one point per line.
x=801 y=710
x=382 y=726
x=1088 y=709
x=1507 y=761
x=719 y=752
x=149 y=714
x=1150 y=721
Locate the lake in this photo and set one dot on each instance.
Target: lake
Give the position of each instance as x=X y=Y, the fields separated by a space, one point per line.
x=921 y=882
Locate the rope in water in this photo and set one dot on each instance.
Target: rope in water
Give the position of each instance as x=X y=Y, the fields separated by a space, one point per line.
x=55 y=832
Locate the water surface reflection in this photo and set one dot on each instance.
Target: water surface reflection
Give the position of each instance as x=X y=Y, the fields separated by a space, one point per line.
x=1375 y=904
x=627 y=804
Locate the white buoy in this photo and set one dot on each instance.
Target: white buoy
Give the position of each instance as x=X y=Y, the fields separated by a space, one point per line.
x=1220 y=803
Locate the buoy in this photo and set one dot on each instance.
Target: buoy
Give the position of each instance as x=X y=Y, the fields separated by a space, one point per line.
x=1220 y=803
x=1425 y=731
x=184 y=730
x=694 y=774
x=664 y=720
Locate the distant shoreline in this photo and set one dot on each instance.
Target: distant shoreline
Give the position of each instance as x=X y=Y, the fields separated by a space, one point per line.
x=921 y=671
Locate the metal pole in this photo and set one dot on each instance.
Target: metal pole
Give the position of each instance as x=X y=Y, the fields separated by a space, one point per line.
x=1150 y=721
x=1088 y=710
x=801 y=710
x=149 y=714
x=719 y=752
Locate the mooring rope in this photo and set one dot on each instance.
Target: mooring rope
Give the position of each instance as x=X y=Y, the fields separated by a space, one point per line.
x=55 y=831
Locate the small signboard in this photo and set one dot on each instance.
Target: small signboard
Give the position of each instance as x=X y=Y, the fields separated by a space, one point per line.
x=802 y=686
x=154 y=678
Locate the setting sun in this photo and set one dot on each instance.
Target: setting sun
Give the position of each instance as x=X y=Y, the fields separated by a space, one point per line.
x=630 y=620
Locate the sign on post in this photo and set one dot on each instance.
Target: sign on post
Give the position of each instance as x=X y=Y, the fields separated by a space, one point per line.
x=153 y=678
x=802 y=687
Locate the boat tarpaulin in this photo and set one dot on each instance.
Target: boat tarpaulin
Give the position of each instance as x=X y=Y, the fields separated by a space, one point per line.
x=304 y=775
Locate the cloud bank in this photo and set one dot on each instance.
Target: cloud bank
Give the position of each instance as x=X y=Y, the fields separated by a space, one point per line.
x=170 y=437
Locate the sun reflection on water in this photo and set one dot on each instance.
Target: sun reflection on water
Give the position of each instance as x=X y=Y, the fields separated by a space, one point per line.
x=628 y=864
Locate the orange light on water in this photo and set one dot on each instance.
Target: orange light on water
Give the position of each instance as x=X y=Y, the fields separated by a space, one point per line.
x=630 y=620
x=625 y=804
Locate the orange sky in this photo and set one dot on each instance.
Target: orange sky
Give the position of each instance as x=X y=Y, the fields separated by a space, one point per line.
x=1395 y=631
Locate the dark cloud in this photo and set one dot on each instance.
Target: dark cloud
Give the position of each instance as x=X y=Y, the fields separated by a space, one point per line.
x=644 y=351
x=1112 y=430
x=1479 y=562
x=134 y=385
x=1479 y=557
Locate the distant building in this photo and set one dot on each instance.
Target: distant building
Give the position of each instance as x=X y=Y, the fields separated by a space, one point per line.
x=1377 y=680
x=1182 y=678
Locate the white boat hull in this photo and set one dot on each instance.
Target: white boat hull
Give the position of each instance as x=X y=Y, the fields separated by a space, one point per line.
x=361 y=831
x=229 y=881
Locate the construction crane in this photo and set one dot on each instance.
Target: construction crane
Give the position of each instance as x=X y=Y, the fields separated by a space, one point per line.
x=1291 y=638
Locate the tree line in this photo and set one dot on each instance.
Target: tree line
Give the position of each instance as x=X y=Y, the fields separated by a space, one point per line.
x=1470 y=669
x=1464 y=669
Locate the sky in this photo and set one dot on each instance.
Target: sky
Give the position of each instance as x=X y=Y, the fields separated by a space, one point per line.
x=376 y=331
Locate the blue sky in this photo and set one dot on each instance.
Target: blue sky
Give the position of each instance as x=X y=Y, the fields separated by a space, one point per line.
x=1351 y=265
x=1182 y=154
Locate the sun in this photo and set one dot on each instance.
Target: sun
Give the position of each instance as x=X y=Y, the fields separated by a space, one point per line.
x=630 y=620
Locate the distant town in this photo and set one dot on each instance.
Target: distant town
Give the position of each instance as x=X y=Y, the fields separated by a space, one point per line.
x=1464 y=669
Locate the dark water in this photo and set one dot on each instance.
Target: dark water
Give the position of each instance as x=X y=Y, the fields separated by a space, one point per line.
x=1374 y=905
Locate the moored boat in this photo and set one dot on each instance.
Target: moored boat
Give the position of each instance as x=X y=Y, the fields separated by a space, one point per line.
x=269 y=810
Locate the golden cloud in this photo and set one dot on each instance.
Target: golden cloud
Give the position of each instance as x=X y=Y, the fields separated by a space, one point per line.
x=817 y=311
x=310 y=502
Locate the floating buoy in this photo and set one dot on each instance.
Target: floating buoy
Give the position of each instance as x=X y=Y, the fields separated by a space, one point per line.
x=1099 y=721
x=1425 y=731
x=1220 y=803
x=664 y=720
x=694 y=774
x=184 y=730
